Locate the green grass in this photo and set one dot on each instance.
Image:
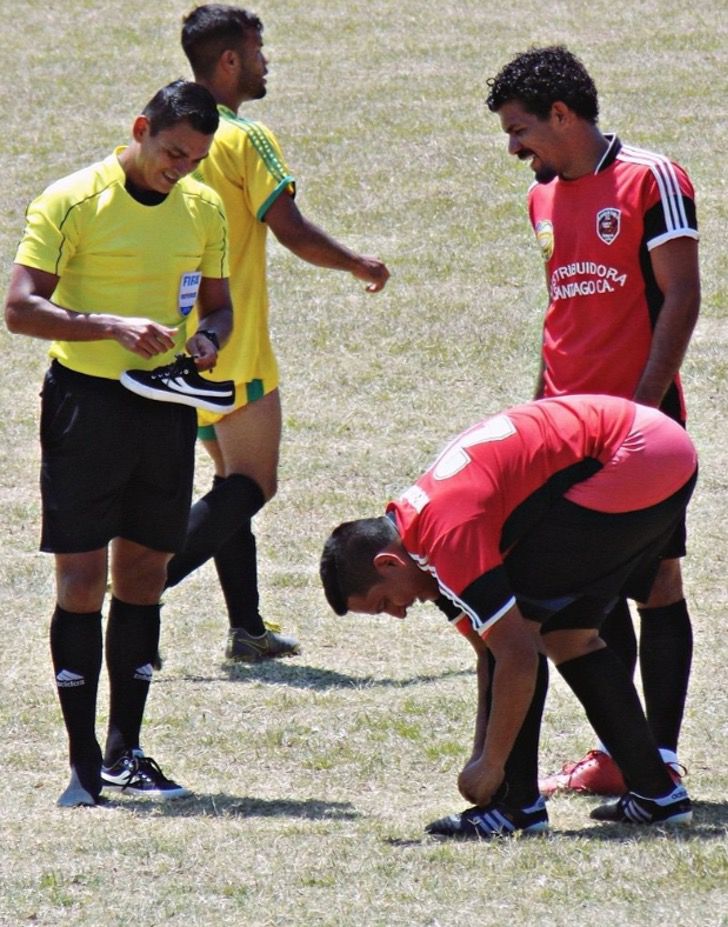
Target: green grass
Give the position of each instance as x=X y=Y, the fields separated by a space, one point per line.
x=314 y=776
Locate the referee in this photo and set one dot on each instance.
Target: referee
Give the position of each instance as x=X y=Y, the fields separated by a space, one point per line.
x=104 y=271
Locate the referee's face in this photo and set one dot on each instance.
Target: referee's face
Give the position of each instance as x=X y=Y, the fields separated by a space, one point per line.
x=539 y=141
x=158 y=161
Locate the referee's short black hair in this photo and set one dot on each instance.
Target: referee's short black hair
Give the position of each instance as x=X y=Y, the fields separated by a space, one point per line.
x=211 y=29
x=182 y=101
x=347 y=563
x=540 y=77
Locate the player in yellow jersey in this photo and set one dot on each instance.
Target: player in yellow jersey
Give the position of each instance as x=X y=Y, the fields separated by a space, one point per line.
x=103 y=271
x=246 y=167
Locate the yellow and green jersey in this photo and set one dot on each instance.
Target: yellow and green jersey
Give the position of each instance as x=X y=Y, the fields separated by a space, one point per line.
x=115 y=255
x=246 y=167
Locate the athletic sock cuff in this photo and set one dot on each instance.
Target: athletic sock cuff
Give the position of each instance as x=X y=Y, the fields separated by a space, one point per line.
x=124 y=611
x=253 y=493
x=678 y=607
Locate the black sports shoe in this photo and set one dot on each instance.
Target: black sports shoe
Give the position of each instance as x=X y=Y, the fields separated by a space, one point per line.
x=493 y=820
x=245 y=648
x=137 y=774
x=180 y=382
x=674 y=808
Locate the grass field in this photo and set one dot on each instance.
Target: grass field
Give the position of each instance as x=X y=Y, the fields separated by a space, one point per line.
x=315 y=776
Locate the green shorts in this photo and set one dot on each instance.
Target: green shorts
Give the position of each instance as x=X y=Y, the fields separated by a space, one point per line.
x=253 y=390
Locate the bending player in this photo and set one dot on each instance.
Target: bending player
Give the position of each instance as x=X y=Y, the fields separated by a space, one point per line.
x=525 y=531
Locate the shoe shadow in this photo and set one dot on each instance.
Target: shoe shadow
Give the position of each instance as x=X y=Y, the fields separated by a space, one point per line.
x=231 y=806
x=316 y=677
x=710 y=822
x=304 y=677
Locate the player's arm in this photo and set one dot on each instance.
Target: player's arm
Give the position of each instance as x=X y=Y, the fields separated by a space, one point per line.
x=215 y=313
x=312 y=244
x=483 y=679
x=513 y=641
x=540 y=381
x=29 y=311
x=540 y=377
x=676 y=270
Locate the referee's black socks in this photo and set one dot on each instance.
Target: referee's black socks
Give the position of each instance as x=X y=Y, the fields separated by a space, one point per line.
x=132 y=639
x=76 y=646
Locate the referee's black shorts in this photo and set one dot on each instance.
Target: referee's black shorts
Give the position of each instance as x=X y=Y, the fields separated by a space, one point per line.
x=569 y=570
x=113 y=464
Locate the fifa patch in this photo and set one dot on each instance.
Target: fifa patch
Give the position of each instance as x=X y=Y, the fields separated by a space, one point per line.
x=189 y=287
x=608 y=224
x=545 y=238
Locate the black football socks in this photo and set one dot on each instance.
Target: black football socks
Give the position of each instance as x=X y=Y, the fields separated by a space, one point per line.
x=666 y=652
x=132 y=639
x=603 y=686
x=214 y=518
x=76 y=649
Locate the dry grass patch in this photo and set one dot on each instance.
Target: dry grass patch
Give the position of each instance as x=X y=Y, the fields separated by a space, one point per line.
x=314 y=776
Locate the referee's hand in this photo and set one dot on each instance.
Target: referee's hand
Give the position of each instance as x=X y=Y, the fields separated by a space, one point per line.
x=144 y=337
x=202 y=350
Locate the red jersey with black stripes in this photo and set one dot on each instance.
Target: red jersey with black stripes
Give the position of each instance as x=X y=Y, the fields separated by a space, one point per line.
x=596 y=234
x=492 y=483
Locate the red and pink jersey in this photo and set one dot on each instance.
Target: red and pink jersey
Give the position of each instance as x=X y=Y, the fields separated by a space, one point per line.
x=595 y=234
x=493 y=482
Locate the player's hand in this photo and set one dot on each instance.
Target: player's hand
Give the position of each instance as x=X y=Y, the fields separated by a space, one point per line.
x=478 y=782
x=373 y=271
x=203 y=351
x=144 y=337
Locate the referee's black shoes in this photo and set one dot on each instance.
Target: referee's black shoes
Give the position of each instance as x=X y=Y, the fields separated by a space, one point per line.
x=180 y=382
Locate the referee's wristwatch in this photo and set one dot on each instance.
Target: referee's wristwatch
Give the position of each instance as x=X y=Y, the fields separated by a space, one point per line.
x=208 y=333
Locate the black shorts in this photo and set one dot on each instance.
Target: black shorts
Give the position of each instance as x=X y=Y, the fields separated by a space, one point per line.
x=113 y=464
x=676 y=546
x=622 y=559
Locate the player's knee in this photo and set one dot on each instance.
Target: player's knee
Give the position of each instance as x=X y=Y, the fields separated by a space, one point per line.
x=562 y=646
x=80 y=587
x=270 y=487
x=667 y=587
x=142 y=580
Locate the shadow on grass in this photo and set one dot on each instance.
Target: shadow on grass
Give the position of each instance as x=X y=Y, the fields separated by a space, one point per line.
x=310 y=677
x=710 y=822
x=231 y=806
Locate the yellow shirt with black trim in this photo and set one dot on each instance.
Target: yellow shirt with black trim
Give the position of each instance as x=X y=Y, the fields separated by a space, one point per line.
x=246 y=167
x=115 y=255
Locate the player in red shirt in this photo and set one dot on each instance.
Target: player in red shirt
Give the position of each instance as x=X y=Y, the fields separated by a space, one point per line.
x=617 y=229
x=524 y=531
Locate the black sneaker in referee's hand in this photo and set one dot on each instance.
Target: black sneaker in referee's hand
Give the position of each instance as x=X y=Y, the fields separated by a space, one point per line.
x=180 y=382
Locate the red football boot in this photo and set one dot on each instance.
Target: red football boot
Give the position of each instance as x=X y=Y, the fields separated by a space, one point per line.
x=594 y=774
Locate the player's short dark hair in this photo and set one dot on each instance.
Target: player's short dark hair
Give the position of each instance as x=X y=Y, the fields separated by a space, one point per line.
x=182 y=101
x=347 y=563
x=540 y=77
x=212 y=28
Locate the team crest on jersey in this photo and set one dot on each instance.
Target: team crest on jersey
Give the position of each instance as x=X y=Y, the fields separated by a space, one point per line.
x=545 y=238
x=609 y=221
